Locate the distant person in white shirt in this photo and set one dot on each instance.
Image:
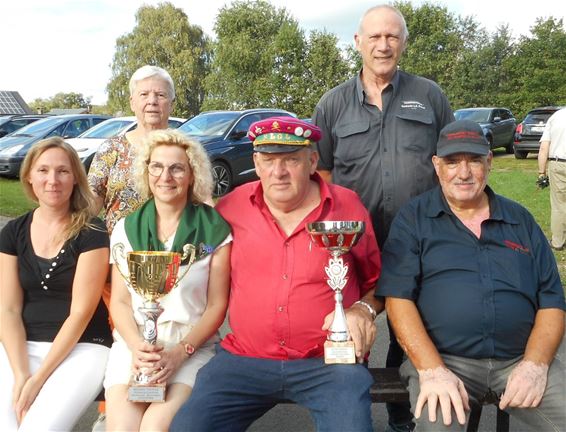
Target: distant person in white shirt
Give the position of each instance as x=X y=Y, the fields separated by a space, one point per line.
x=552 y=162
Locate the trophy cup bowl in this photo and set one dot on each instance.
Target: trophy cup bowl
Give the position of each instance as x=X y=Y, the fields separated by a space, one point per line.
x=337 y=237
x=152 y=275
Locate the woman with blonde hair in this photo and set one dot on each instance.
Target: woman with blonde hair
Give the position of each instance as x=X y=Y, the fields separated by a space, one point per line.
x=53 y=261
x=174 y=172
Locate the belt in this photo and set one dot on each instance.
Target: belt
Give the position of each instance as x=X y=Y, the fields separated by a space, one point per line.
x=557 y=159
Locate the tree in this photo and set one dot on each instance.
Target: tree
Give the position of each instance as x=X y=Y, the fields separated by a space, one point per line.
x=162 y=37
x=480 y=75
x=326 y=66
x=244 y=60
x=61 y=100
x=262 y=58
x=536 y=71
x=435 y=41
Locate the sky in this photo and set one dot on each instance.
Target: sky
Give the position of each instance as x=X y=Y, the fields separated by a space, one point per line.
x=52 y=46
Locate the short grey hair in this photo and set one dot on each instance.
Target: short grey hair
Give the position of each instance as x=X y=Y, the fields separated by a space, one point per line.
x=201 y=189
x=149 y=71
x=405 y=31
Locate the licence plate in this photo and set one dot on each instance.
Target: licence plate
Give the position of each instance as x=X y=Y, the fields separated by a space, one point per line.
x=537 y=128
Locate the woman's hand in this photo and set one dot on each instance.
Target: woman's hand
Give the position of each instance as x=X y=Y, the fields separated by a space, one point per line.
x=28 y=393
x=145 y=356
x=171 y=361
x=19 y=382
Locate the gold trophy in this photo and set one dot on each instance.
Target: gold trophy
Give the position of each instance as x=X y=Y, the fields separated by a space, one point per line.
x=152 y=274
x=338 y=237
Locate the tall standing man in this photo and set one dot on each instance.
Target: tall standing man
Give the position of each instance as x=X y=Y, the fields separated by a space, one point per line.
x=379 y=132
x=552 y=161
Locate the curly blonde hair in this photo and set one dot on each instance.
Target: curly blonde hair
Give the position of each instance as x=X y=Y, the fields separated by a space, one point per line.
x=201 y=189
x=82 y=199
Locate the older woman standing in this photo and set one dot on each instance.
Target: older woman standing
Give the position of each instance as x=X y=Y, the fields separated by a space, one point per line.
x=53 y=262
x=152 y=93
x=175 y=171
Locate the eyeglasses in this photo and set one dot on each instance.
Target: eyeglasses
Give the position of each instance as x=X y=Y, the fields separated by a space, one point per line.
x=176 y=170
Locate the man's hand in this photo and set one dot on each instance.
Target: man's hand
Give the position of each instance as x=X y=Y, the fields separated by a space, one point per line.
x=441 y=385
x=361 y=327
x=525 y=385
x=543 y=181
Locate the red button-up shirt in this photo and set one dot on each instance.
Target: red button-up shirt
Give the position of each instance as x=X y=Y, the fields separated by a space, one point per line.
x=279 y=294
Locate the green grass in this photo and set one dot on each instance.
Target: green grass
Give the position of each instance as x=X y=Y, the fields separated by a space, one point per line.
x=13 y=201
x=509 y=177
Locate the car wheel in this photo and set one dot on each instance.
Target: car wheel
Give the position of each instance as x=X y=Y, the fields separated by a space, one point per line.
x=222 y=179
x=520 y=154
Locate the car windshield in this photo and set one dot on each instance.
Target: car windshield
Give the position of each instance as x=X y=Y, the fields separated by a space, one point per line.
x=207 y=124
x=39 y=127
x=480 y=115
x=106 y=129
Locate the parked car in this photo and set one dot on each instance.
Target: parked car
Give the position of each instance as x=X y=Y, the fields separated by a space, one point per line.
x=224 y=135
x=498 y=125
x=12 y=123
x=529 y=131
x=87 y=143
x=14 y=147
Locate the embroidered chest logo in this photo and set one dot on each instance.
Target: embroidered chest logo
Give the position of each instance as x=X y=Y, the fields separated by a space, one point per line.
x=516 y=247
x=413 y=105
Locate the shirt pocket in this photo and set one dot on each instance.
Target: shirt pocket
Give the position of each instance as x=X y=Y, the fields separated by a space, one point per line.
x=419 y=133
x=351 y=142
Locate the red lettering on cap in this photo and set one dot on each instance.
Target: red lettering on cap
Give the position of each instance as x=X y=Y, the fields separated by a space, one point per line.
x=462 y=135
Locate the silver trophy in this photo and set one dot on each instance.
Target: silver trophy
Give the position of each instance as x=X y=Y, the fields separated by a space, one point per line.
x=152 y=274
x=338 y=237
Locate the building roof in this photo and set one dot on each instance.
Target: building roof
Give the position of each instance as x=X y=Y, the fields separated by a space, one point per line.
x=12 y=103
x=60 y=111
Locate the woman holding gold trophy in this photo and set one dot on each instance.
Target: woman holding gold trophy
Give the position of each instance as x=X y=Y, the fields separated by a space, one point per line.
x=175 y=172
x=53 y=262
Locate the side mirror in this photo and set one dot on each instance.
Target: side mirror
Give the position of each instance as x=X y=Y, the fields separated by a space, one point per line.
x=496 y=119
x=238 y=135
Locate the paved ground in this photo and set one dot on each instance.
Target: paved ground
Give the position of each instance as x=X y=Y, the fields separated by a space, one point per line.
x=291 y=418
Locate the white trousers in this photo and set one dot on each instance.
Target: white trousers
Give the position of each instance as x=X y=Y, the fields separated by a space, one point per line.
x=66 y=394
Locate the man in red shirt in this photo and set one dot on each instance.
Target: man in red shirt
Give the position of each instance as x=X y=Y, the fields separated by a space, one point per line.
x=280 y=304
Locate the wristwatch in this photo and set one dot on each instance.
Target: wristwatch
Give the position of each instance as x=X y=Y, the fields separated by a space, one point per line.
x=188 y=348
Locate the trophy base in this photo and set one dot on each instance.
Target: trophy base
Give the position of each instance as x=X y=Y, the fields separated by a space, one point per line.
x=154 y=392
x=339 y=352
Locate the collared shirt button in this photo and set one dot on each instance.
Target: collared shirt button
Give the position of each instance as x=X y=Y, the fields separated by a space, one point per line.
x=287 y=244
x=280 y=308
x=282 y=342
x=285 y=276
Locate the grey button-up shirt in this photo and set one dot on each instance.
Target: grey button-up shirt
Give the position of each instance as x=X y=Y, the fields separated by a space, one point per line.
x=385 y=156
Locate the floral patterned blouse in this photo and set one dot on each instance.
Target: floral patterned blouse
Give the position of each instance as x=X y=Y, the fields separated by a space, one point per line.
x=110 y=177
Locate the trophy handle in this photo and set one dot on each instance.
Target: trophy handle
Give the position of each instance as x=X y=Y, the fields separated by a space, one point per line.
x=189 y=251
x=119 y=249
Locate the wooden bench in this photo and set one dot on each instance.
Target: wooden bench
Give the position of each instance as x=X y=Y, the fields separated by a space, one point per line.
x=387 y=387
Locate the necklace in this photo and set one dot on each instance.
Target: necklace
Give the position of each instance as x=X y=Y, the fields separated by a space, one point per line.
x=166 y=235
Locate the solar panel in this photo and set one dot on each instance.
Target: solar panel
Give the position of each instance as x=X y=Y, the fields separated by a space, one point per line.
x=12 y=103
